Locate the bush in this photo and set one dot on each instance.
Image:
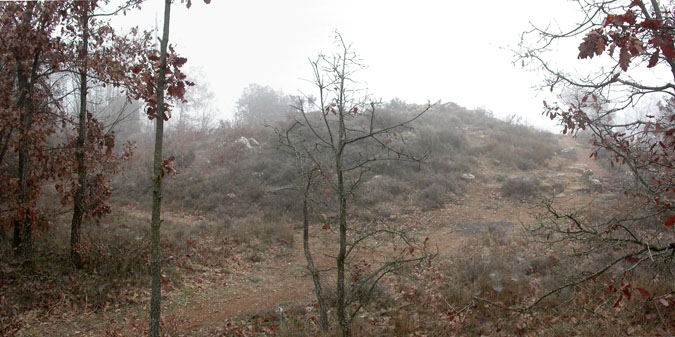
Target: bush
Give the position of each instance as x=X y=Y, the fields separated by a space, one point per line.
x=520 y=186
x=381 y=188
x=434 y=190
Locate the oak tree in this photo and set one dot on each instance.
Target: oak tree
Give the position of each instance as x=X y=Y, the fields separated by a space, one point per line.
x=626 y=102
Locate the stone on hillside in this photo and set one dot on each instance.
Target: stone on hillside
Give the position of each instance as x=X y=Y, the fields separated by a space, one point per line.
x=468 y=176
x=568 y=152
x=244 y=141
x=578 y=169
x=587 y=174
x=253 y=142
x=595 y=185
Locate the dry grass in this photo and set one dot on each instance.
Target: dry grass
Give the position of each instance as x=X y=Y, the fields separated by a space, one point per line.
x=221 y=209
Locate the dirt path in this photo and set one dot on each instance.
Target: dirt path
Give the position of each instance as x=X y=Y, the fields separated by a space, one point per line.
x=279 y=280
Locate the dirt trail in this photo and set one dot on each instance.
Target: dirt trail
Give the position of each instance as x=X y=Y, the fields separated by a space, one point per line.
x=283 y=280
x=266 y=286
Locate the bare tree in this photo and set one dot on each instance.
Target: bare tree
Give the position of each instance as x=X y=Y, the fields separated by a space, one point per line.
x=334 y=146
x=632 y=43
x=260 y=105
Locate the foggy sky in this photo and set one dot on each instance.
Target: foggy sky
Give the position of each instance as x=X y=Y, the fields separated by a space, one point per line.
x=453 y=51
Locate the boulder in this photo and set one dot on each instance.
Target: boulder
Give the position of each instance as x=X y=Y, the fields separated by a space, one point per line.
x=253 y=142
x=244 y=141
x=587 y=174
x=468 y=176
x=595 y=185
x=568 y=153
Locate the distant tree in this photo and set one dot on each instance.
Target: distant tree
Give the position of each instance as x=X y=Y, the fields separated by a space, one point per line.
x=632 y=45
x=260 y=104
x=198 y=112
x=334 y=145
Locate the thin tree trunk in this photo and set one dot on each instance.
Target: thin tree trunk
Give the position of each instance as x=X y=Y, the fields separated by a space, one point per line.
x=342 y=252
x=5 y=143
x=78 y=198
x=323 y=310
x=343 y=318
x=22 y=224
x=16 y=238
x=155 y=258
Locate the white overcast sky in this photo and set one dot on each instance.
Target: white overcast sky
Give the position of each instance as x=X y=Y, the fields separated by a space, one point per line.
x=453 y=51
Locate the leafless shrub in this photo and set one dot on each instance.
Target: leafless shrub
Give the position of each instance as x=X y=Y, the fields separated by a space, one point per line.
x=520 y=187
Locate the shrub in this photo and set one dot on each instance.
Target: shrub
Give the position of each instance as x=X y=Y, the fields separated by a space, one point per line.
x=382 y=188
x=434 y=190
x=520 y=186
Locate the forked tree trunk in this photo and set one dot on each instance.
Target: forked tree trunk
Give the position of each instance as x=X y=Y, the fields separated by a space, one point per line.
x=323 y=310
x=78 y=198
x=155 y=258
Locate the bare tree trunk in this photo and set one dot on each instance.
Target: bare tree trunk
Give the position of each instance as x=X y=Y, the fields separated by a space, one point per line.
x=345 y=170
x=23 y=224
x=23 y=240
x=16 y=238
x=343 y=318
x=155 y=258
x=323 y=310
x=341 y=298
x=5 y=144
x=78 y=198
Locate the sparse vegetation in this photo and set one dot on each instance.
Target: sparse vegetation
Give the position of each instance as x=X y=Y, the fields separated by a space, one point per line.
x=520 y=186
x=529 y=236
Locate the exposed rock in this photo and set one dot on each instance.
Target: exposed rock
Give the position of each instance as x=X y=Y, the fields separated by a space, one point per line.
x=250 y=143
x=244 y=141
x=253 y=142
x=468 y=176
x=578 y=169
x=595 y=185
x=568 y=152
x=587 y=174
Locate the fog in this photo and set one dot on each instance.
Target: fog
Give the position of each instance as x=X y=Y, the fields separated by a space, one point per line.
x=431 y=50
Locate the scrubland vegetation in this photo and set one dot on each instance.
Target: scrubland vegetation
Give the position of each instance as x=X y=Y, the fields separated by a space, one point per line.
x=326 y=215
x=234 y=216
